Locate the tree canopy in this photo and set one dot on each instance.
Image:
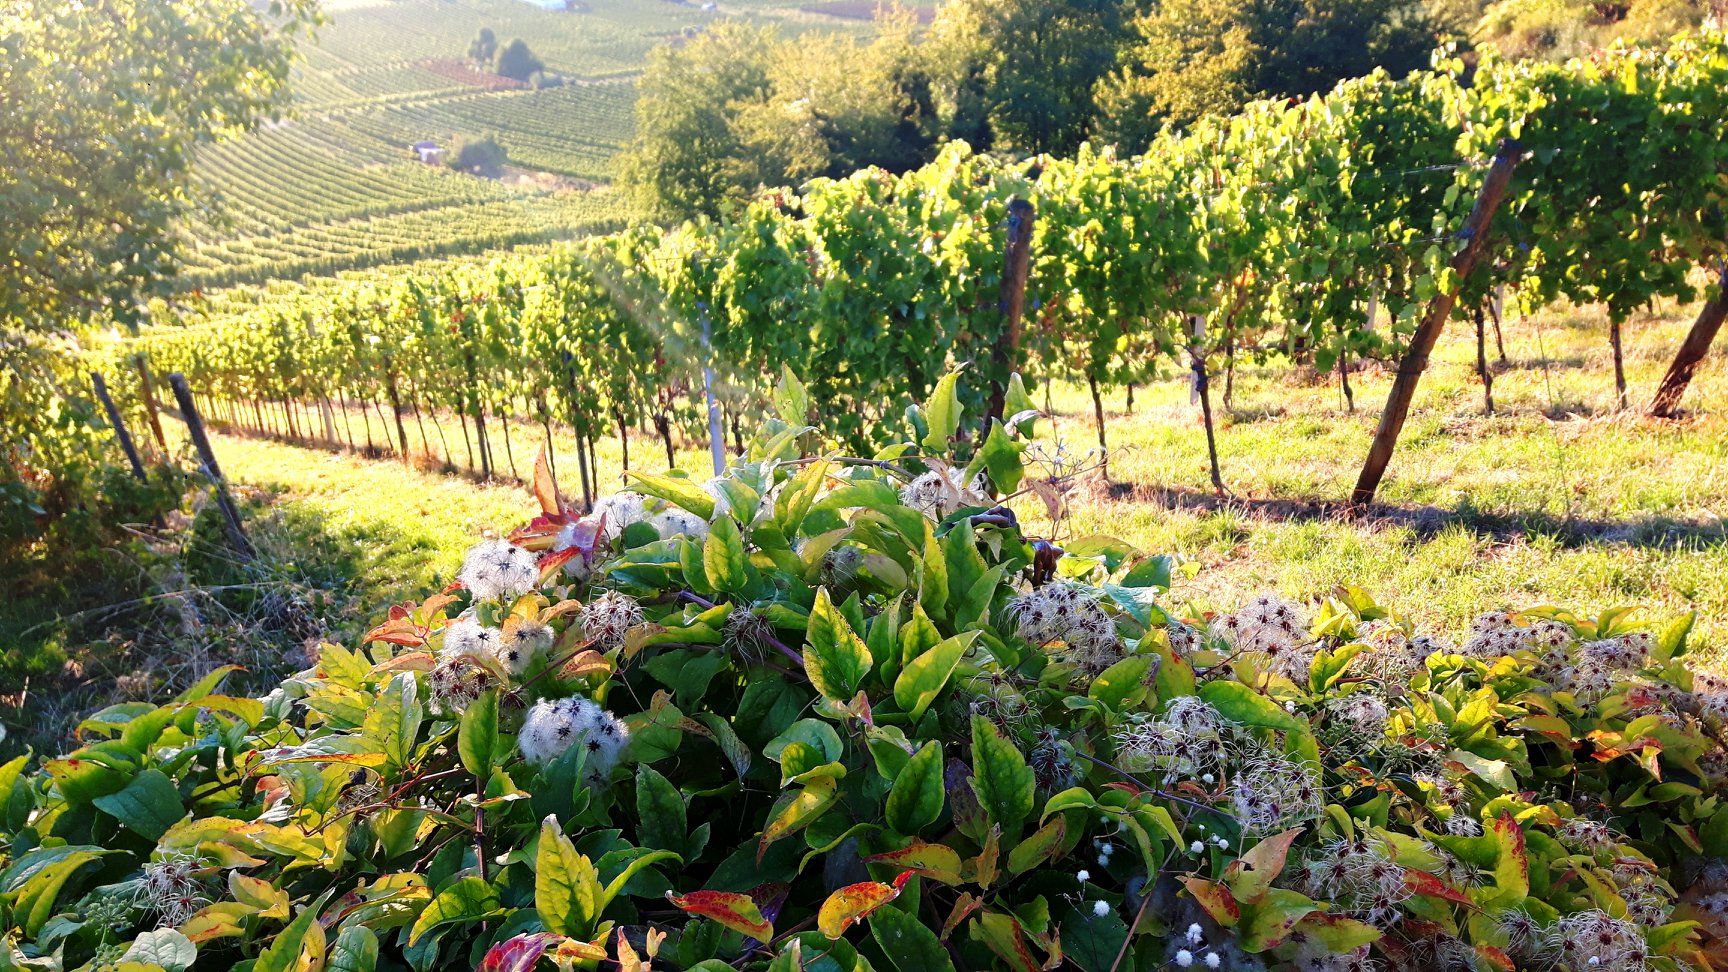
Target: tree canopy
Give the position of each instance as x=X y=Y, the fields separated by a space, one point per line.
x=103 y=104
x=517 y=62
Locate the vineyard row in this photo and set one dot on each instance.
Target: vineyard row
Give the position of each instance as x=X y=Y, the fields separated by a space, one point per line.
x=1349 y=226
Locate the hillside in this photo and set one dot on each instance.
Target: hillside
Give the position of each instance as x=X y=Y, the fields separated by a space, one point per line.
x=336 y=184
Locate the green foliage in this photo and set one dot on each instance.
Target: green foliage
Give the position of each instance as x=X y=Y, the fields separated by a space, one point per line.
x=738 y=109
x=517 y=62
x=88 y=84
x=1301 y=784
x=1192 y=58
x=483 y=49
x=1310 y=231
x=107 y=103
x=484 y=157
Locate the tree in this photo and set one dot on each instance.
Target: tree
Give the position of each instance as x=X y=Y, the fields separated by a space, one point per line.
x=484 y=48
x=483 y=157
x=102 y=105
x=1198 y=57
x=517 y=62
x=1029 y=68
x=688 y=155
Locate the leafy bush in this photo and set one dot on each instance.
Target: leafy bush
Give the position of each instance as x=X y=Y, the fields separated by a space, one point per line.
x=843 y=714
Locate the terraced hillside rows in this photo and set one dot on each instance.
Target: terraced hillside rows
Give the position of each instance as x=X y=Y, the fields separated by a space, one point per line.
x=319 y=196
x=336 y=186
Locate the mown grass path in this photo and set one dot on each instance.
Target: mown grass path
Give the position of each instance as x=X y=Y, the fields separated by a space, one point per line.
x=1554 y=499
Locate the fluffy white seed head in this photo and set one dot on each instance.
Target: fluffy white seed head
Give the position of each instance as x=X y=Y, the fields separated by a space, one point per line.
x=552 y=727
x=498 y=569
x=1272 y=631
x=607 y=618
x=520 y=642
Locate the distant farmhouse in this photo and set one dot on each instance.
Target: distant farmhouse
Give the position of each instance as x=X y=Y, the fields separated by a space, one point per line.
x=430 y=153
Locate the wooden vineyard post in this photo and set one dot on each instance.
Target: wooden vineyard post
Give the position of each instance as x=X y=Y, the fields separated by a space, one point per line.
x=120 y=432
x=1016 y=267
x=212 y=472
x=147 y=388
x=1203 y=390
x=716 y=438
x=1475 y=236
x=1482 y=362
x=1693 y=349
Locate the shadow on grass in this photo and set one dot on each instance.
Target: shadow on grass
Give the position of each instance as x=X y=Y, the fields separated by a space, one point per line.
x=148 y=614
x=1652 y=533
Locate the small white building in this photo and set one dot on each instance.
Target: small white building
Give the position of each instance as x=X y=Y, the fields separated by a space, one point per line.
x=430 y=153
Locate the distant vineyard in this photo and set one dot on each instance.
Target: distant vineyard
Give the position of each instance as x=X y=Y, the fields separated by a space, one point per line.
x=310 y=197
x=607 y=37
x=1345 y=227
x=573 y=130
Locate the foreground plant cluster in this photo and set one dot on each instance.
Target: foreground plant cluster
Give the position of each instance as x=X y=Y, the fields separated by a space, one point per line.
x=843 y=714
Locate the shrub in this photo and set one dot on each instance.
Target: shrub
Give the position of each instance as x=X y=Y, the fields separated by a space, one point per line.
x=480 y=156
x=834 y=713
x=516 y=61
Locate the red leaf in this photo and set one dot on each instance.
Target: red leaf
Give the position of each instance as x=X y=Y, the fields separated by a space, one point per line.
x=736 y=911
x=1423 y=883
x=1215 y=898
x=854 y=902
x=517 y=954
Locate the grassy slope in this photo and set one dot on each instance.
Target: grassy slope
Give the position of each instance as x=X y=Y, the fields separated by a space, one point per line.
x=1566 y=504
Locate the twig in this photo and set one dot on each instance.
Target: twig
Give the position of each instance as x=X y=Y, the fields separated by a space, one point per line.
x=1206 y=808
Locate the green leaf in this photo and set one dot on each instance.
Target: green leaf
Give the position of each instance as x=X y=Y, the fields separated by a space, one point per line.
x=908 y=942
x=1000 y=777
x=355 y=950
x=1672 y=640
x=37 y=881
x=393 y=724
x=1118 y=683
x=723 y=556
x=469 y=900
x=1001 y=457
x=477 y=737
x=1036 y=849
x=1017 y=403
x=638 y=864
x=679 y=492
x=932 y=578
x=566 y=884
x=304 y=932
x=915 y=800
x=148 y=805
x=660 y=813
x=1270 y=920
x=924 y=676
x=791 y=399
x=165 y=947
x=942 y=412
x=1246 y=707
x=835 y=658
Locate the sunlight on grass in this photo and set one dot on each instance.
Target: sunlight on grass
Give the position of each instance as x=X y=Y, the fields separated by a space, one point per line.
x=1554 y=498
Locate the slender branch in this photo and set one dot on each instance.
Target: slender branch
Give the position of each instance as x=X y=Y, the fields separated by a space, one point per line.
x=1206 y=808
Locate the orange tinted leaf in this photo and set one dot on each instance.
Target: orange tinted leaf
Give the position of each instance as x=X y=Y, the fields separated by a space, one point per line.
x=1423 y=883
x=1249 y=877
x=585 y=662
x=736 y=911
x=963 y=906
x=938 y=861
x=545 y=488
x=855 y=901
x=1215 y=898
x=413 y=661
